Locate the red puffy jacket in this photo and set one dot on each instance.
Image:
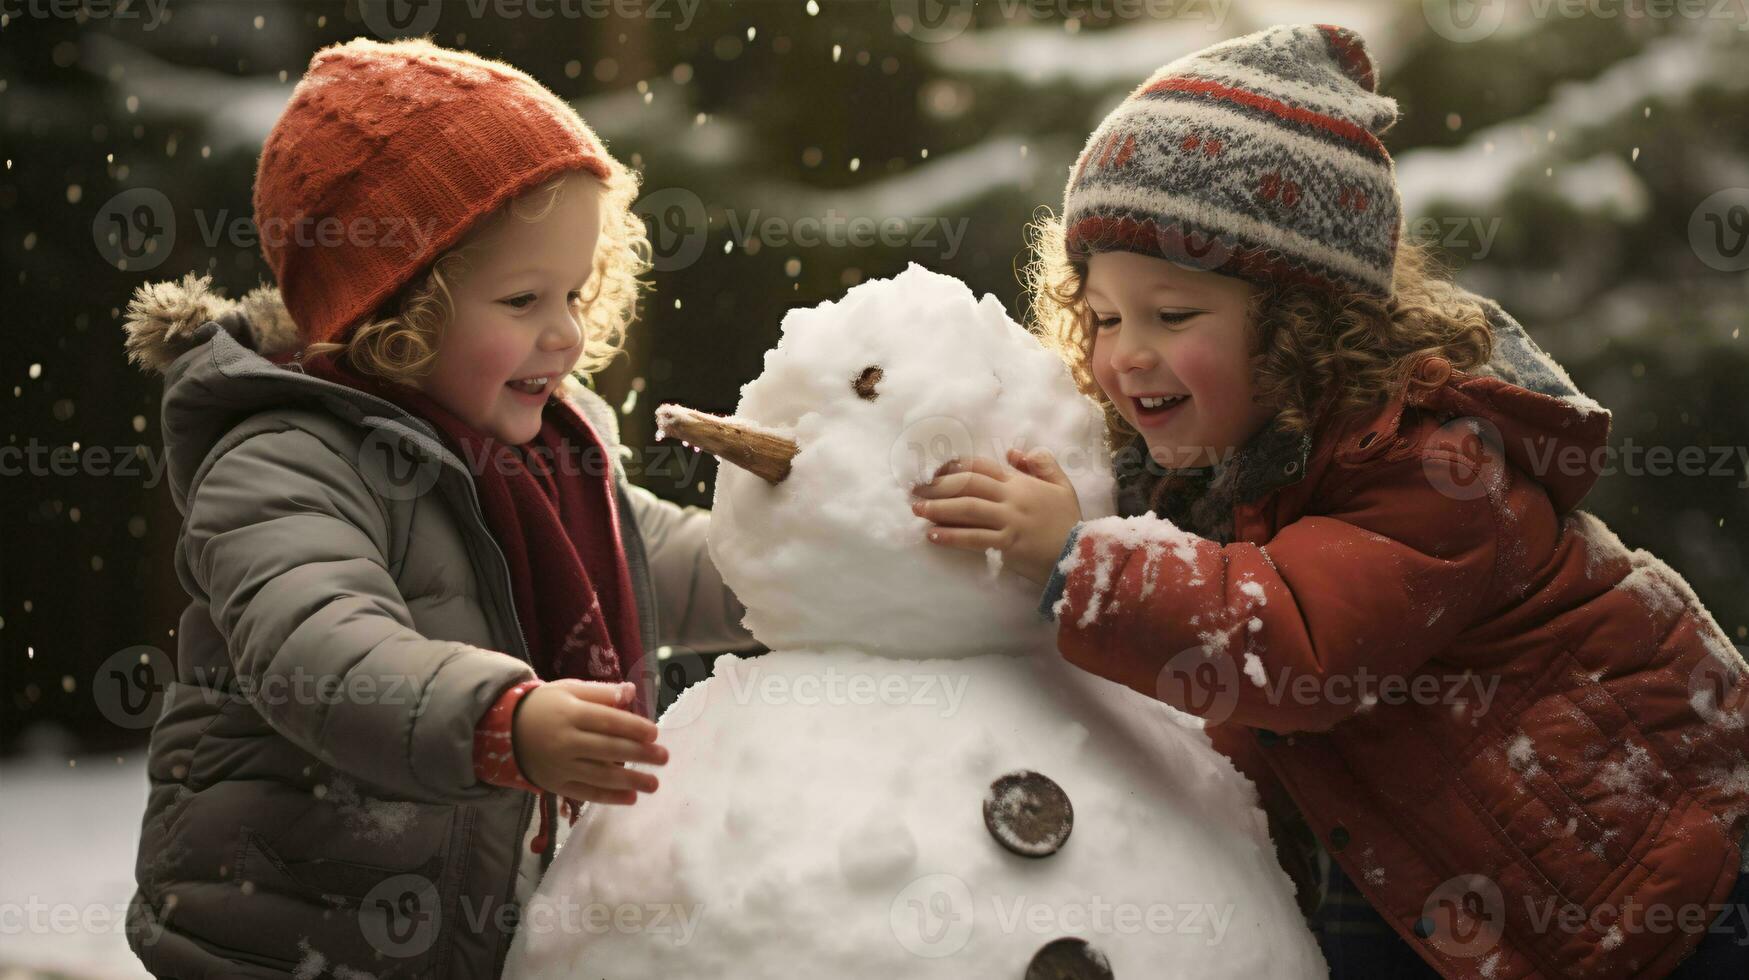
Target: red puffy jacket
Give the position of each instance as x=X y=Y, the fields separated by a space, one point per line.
x=1524 y=742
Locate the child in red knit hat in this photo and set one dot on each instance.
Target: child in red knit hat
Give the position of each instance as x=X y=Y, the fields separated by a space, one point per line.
x=1509 y=745
x=425 y=597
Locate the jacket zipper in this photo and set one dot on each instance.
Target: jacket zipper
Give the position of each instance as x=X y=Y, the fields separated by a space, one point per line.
x=504 y=573
x=532 y=800
x=397 y=413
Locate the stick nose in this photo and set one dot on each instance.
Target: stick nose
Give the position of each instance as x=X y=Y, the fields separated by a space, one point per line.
x=757 y=450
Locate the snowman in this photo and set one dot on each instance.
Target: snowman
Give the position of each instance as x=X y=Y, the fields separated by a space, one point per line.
x=912 y=783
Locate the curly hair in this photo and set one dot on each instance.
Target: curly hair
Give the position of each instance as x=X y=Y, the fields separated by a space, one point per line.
x=399 y=342
x=1307 y=344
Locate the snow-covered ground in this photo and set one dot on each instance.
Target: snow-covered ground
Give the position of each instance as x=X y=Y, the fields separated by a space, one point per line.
x=68 y=835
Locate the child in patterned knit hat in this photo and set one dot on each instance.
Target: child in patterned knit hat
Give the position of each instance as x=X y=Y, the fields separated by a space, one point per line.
x=425 y=596
x=1493 y=741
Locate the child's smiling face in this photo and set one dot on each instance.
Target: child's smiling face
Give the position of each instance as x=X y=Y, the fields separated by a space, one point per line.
x=516 y=315
x=1161 y=329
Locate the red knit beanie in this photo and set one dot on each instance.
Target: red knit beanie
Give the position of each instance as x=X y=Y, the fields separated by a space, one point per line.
x=386 y=154
x=1258 y=157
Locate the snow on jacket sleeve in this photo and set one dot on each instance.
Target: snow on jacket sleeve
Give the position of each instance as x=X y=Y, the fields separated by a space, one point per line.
x=286 y=541
x=1296 y=634
x=695 y=608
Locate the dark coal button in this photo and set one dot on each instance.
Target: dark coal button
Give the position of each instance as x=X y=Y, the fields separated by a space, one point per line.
x=1028 y=813
x=1339 y=837
x=1068 y=959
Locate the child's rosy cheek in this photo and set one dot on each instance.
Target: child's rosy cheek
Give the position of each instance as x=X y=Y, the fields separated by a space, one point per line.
x=489 y=357
x=1100 y=364
x=1197 y=368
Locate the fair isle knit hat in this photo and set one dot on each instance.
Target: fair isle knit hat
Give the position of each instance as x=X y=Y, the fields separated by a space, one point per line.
x=1258 y=157
x=386 y=155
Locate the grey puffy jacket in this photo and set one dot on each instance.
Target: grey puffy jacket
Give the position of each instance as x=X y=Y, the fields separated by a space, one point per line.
x=313 y=808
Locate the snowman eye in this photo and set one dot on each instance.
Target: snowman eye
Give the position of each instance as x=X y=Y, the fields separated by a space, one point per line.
x=865 y=383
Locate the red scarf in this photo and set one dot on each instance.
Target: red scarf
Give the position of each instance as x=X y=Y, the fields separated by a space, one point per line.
x=550 y=505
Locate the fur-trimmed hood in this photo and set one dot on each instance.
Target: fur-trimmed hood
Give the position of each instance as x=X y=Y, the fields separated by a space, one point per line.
x=162 y=318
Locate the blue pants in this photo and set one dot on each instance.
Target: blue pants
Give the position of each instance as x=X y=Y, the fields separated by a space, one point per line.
x=1360 y=945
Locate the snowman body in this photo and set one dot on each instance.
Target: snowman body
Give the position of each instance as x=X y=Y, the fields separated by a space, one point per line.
x=824 y=811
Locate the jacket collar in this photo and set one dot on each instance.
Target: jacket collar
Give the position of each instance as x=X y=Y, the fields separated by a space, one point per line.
x=1201 y=499
x=1275 y=457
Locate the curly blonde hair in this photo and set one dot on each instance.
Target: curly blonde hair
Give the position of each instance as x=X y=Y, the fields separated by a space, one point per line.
x=1307 y=344
x=399 y=342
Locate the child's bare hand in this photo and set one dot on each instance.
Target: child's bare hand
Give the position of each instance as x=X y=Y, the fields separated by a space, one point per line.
x=574 y=737
x=1026 y=512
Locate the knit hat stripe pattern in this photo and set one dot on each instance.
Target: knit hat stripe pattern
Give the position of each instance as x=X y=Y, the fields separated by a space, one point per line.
x=1334 y=130
x=1257 y=157
x=397 y=149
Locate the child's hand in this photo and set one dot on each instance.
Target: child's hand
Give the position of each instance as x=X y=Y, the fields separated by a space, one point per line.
x=574 y=737
x=1026 y=513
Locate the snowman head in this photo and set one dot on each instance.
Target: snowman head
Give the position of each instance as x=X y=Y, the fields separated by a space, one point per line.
x=861 y=400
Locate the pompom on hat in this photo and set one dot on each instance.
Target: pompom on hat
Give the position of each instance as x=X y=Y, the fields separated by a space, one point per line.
x=385 y=156
x=1258 y=157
